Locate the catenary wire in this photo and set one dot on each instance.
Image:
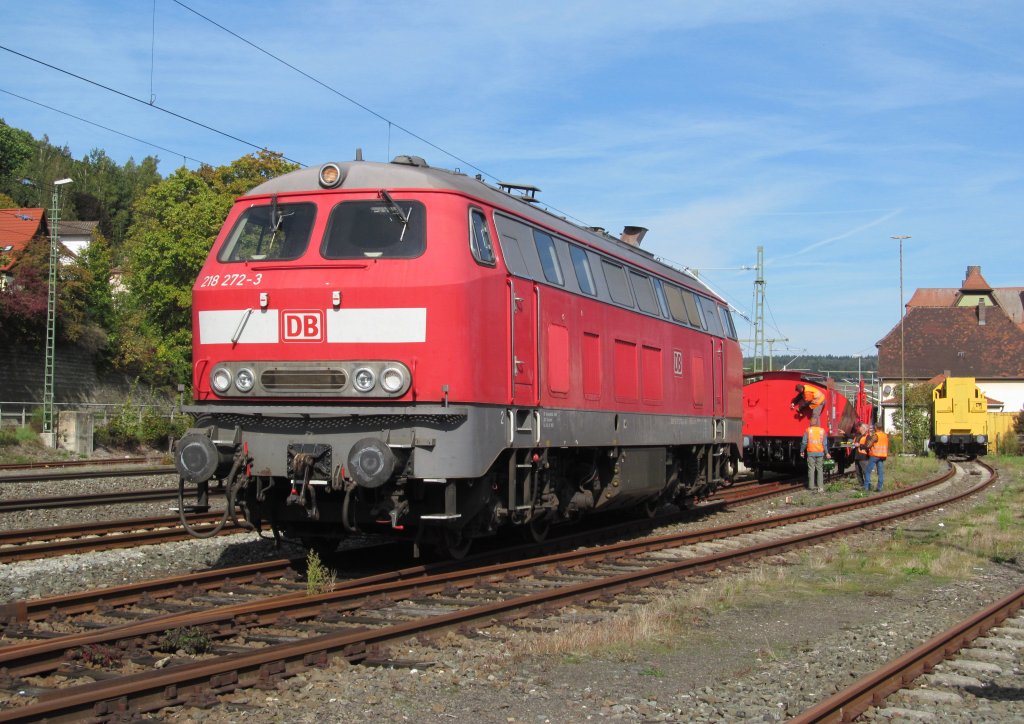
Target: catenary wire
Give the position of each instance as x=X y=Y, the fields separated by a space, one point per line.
x=105 y=128
x=145 y=103
x=337 y=92
x=356 y=103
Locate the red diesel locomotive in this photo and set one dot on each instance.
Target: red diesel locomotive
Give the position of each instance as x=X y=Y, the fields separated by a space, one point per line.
x=772 y=431
x=394 y=347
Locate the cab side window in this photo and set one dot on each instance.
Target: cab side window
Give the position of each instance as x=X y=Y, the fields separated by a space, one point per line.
x=583 y=273
x=480 y=238
x=548 y=257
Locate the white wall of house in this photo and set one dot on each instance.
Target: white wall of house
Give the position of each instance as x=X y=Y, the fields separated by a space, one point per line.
x=1009 y=392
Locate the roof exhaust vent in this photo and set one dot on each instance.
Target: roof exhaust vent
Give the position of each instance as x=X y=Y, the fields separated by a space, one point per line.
x=410 y=161
x=633 y=235
x=359 y=154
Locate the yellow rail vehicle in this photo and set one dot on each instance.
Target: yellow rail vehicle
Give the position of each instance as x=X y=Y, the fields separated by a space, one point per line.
x=959 y=419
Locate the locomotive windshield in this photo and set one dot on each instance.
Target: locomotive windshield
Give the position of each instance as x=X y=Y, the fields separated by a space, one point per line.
x=273 y=231
x=375 y=230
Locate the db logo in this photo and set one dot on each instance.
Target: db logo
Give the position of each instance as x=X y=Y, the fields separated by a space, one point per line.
x=677 y=362
x=303 y=326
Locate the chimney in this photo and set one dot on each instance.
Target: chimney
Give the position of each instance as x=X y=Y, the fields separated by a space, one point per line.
x=633 y=235
x=981 y=312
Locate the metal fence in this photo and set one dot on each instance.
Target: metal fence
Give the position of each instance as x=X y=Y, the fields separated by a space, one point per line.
x=19 y=414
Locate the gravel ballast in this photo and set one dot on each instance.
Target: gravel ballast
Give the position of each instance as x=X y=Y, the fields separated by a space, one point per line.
x=762 y=661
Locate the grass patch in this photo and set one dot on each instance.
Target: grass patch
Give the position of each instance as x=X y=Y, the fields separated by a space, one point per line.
x=192 y=640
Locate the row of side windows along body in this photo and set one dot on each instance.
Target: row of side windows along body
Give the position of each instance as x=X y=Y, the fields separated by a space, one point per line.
x=548 y=257
x=355 y=230
x=617 y=283
x=584 y=275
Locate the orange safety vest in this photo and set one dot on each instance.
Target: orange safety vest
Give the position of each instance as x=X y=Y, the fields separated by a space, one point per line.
x=881 y=447
x=814 y=396
x=815 y=439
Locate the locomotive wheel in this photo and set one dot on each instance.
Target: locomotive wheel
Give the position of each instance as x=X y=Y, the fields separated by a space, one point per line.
x=536 y=531
x=455 y=544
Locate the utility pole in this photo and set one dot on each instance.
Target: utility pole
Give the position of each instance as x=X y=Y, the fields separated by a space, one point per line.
x=771 y=351
x=759 y=313
x=903 y=381
x=51 y=316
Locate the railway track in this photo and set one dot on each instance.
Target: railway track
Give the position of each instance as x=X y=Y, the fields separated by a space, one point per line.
x=82 y=501
x=987 y=646
x=31 y=543
x=296 y=631
x=75 y=463
x=72 y=604
x=28 y=544
x=120 y=472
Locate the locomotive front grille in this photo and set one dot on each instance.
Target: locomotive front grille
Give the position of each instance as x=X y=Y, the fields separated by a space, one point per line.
x=303 y=380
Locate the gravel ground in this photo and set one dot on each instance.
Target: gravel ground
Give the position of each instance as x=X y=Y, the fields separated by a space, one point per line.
x=764 y=662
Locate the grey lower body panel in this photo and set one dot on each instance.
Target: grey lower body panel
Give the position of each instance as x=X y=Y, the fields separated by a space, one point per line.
x=446 y=442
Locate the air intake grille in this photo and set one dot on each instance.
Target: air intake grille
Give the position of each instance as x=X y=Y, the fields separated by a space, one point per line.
x=300 y=380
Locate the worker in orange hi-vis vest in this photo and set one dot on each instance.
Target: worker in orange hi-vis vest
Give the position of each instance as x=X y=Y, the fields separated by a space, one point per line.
x=810 y=398
x=860 y=453
x=878 y=451
x=814 y=447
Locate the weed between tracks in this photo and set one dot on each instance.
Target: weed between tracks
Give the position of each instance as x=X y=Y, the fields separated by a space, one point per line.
x=319 y=578
x=953 y=548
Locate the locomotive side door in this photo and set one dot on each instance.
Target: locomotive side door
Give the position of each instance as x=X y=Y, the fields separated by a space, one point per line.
x=524 y=302
x=717 y=377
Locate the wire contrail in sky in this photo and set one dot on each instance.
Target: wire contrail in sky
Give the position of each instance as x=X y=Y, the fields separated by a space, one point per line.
x=839 y=237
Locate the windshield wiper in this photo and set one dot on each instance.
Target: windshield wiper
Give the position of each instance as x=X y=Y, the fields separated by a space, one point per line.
x=396 y=212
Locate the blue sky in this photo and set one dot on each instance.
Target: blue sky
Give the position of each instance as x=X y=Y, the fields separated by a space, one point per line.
x=816 y=130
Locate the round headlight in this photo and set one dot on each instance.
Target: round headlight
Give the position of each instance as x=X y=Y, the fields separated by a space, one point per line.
x=330 y=175
x=746 y=441
x=244 y=380
x=943 y=438
x=392 y=379
x=221 y=379
x=981 y=439
x=364 y=379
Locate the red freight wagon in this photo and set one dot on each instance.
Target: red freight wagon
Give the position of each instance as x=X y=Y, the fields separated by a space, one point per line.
x=772 y=431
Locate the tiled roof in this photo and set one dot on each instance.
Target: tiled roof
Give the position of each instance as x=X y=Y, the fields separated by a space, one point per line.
x=17 y=228
x=1011 y=299
x=937 y=339
x=77 y=228
x=933 y=298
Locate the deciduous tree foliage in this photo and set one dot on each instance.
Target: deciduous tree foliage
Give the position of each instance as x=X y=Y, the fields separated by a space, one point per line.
x=176 y=223
x=16 y=147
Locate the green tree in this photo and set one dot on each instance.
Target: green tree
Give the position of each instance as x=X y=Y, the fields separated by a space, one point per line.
x=910 y=436
x=16 y=146
x=85 y=299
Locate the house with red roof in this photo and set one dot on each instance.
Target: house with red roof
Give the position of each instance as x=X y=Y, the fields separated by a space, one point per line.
x=21 y=227
x=970 y=331
x=18 y=229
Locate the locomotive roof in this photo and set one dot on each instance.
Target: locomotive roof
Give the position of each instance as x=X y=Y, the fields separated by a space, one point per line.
x=412 y=172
